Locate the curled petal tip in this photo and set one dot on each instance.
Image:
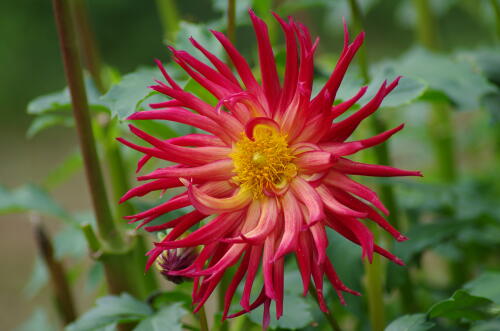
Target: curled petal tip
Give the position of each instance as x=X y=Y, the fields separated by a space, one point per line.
x=397 y=260
x=402 y=238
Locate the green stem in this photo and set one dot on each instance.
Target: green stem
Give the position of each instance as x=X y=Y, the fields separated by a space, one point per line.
x=62 y=292
x=169 y=17
x=91 y=238
x=221 y=292
x=203 y=319
x=374 y=283
x=74 y=75
x=231 y=20
x=375 y=293
x=496 y=9
x=90 y=51
x=121 y=275
x=441 y=126
x=328 y=315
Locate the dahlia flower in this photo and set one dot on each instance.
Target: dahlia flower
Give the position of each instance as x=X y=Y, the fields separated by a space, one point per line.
x=269 y=174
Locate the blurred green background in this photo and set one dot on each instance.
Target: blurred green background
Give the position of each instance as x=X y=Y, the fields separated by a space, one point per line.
x=129 y=34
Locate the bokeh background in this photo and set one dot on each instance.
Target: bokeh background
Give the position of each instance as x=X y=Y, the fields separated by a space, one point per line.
x=130 y=34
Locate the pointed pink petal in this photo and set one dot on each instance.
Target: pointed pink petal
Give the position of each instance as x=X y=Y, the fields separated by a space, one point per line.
x=270 y=80
x=345 y=183
x=363 y=169
x=335 y=206
x=219 y=170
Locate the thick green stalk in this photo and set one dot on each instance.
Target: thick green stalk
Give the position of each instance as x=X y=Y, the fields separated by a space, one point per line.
x=115 y=250
x=328 y=315
x=169 y=17
x=375 y=293
x=382 y=155
x=441 y=126
x=202 y=316
x=107 y=228
x=62 y=292
x=374 y=270
x=231 y=20
x=496 y=9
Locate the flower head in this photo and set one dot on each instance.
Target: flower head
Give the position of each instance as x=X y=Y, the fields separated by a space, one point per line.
x=272 y=168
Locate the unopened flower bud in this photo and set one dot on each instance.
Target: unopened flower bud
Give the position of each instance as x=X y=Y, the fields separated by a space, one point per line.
x=176 y=259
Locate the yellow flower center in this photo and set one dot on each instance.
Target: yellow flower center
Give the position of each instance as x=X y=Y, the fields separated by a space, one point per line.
x=263 y=163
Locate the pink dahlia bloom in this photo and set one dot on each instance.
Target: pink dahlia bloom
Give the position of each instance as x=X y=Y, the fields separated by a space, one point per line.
x=272 y=169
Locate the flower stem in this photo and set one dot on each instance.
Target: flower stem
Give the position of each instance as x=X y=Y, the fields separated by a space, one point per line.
x=374 y=270
x=496 y=10
x=441 y=126
x=117 y=169
x=62 y=292
x=374 y=287
x=107 y=228
x=202 y=315
x=116 y=252
x=169 y=17
x=231 y=20
x=328 y=315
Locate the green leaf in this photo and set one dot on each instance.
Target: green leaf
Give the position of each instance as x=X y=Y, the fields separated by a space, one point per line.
x=195 y=88
x=461 y=305
x=493 y=325
x=408 y=89
x=124 y=98
x=46 y=121
x=457 y=80
x=61 y=101
x=38 y=321
x=424 y=236
x=70 y=242
x=416 y=322
x=201 y=33
x=70 y=165
x=297 y=313
x=176 y=296
x=486 y=285
x=30 y=198
x=95 y=277
x=165 y=319
x=39 y=278
x=111 y=310
x=486 y=60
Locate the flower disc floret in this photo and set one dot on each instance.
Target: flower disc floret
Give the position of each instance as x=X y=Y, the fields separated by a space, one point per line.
x=263 y=163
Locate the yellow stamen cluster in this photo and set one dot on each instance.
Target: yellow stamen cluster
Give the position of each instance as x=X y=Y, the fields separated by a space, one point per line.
x=264 y=162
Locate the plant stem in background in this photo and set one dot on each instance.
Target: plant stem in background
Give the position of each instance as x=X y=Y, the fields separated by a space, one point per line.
x=231 y=20
x=441 y=126
x=374 y=270
x=375 y=293
x=62 y=292
x=121 y=275
x=74 y=75
x=169 y=18
x=117 y=170
x=90 y=52
x=330 y=315
x=496 y=9
x=202 y=316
